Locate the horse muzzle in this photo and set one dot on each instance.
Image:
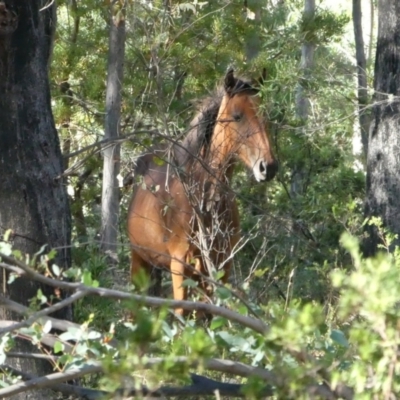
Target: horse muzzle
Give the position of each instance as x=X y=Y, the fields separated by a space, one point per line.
x=264 y=171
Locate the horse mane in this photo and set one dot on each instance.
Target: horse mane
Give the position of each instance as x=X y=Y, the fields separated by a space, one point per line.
x=200 y=130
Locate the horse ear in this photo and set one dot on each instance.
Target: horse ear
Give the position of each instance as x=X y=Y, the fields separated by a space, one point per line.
x=230 y=81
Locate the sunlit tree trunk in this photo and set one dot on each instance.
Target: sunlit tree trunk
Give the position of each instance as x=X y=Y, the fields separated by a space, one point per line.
x=383 y=165
x=362 y=90
x=110 y=194
x=33 y=201
x=371 y=28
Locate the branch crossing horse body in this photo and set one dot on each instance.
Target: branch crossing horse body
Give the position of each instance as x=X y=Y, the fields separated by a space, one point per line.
x=184 y=211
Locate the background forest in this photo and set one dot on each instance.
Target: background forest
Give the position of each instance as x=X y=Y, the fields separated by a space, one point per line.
x=312 y=318
x=176 y=54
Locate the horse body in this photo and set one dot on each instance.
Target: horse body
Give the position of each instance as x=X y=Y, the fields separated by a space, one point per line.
x=185 y=208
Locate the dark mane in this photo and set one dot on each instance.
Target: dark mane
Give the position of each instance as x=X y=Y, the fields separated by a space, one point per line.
x=200 y=131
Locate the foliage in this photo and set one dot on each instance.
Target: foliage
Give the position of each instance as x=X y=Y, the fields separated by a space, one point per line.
x=352 y=343
x=330 y=320
x=175 y=53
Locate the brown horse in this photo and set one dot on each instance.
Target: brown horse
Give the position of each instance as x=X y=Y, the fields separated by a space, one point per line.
x=184 y=212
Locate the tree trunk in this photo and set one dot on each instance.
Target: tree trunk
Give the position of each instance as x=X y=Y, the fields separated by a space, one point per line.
x=362 y=90
x=33 y=202
x=302 y=102
x=253 y=43
x=110 y=195
x=383 y=185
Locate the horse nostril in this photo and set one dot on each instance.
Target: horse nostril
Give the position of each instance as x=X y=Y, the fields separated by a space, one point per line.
x=272 y=170
x=263 y=167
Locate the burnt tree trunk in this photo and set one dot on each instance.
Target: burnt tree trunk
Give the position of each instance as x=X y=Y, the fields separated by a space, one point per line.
x=383 y=165
x=111 y=165
x=33 y=202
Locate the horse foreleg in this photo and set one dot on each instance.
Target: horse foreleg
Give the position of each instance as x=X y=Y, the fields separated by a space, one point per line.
x=138 y=264
x=178 y=276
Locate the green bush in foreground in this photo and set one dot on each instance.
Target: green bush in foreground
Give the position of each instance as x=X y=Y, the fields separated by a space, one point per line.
x=350 y=342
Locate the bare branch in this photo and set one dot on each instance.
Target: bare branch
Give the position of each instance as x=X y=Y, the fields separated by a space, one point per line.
x=46 y=339
x=23 y=269
x=62 y=325
x=37 y=356
x=49 y=380
x=236 y=368
x=80 y=392
x=48 y=310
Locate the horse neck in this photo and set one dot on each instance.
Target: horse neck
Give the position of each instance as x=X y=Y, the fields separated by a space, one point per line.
x=220 y=158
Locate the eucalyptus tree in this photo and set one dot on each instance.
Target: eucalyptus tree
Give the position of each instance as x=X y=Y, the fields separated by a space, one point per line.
x=33 y=197
x=383 y=185
x=112 y=152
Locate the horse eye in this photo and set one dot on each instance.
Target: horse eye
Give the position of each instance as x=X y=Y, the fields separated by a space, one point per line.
x=237 y=117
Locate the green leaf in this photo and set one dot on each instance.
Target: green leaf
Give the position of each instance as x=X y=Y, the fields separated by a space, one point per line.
x=58 y=347
x=87 y=279
x=41 y=297
x=5 y=248
x=2 y=358
x=189 y=283
x=52 y=254
x=158 y=161
x=217 y=322
x=13 y=276
x=56 y=270
x=94 y=335
x=339 y=338
x=234 y=341
x=223 y=293
x=72 y=334
x=47 y=326
x=81 y=349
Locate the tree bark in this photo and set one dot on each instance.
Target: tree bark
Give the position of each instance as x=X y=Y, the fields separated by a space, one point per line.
x=110 y=194
x=362 y=89
x=253 y=43
x=383 y=182
x=33 y=203
x=302 y=101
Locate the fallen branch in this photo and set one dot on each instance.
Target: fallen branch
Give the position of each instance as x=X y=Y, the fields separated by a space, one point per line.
x=62 y=325
x=23 y=269
x=225 y=366
x=46 y=311
x=49 y=380
x=46 y=339
x=77 y=391
x=200 y=386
